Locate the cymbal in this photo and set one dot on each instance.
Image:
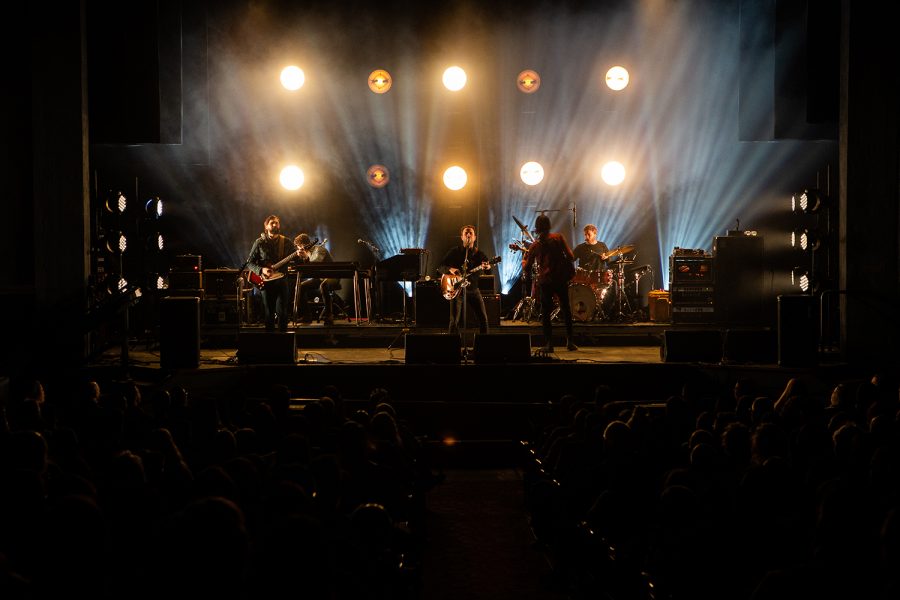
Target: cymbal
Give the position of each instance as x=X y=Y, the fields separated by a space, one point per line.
x=624 y=249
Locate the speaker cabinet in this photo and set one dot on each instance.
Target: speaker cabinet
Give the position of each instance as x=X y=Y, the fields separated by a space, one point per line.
x=268 y=347
x=699 y=345
x=491 y=306
x=431 y=308
x=739 y=280
x=757 y=346
x=222 y=313
x=186 y=280
x=798 y=331
x=502 y=348
x=433 y=348
x=179 y=332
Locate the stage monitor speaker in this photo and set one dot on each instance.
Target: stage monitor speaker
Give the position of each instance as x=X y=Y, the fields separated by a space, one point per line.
x=798 y=331
x=502 y=348
x=270 y=348
x=756 y=346
x=179 y=332
x=433 y=348
x=692 y=345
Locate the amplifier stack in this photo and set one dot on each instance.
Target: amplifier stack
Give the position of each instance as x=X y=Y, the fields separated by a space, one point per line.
x=692 y=286
x=186 y=276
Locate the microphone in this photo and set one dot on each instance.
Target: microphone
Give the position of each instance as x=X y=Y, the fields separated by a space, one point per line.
x=574 y=216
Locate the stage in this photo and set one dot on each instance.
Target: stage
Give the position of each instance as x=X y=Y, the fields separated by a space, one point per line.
x=476 y=400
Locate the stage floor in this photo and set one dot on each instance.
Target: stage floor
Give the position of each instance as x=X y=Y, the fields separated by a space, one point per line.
x=493 y=402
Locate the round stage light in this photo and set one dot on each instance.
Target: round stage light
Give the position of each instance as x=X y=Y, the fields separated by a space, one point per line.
x=291 y=177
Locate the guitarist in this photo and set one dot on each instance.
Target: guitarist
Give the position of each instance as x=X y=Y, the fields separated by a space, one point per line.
x=458 y=261
x=269 y=248
x=555 y=261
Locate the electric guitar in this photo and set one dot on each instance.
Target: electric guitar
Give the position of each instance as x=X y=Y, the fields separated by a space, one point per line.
x=260 y=281
x=451 y=284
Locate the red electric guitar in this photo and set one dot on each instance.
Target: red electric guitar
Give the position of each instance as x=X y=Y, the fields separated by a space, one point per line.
x=260 y=281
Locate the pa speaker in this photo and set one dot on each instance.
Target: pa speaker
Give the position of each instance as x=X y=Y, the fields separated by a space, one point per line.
x=433 y=348
x=502 y=348
x=267 y=348
x=699 y=345
x=179 y=332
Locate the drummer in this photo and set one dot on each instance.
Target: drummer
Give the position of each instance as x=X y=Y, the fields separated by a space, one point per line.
x=591 y=254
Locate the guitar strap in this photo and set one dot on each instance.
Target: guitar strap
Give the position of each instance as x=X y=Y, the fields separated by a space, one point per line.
x=281 y=239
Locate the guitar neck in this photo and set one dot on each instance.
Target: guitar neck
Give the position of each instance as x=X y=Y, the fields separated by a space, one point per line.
x=284 y=260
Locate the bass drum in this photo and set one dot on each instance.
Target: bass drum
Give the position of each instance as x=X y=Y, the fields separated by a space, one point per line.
x=585 y=301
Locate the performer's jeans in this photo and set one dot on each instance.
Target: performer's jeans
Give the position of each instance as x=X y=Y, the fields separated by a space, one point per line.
x=275 y=299
x=562 y=292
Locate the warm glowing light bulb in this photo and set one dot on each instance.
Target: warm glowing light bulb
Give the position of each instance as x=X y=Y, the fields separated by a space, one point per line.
x=455 y=178
x=613 y=173
x=617 y=78
x=532 y=173
x=292 y=78
x=291 y=177
x=454 y=79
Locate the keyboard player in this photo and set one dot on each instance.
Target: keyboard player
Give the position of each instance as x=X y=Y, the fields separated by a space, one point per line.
x=316 y=253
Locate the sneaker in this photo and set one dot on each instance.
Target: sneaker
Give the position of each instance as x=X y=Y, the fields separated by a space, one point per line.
x=571 y=346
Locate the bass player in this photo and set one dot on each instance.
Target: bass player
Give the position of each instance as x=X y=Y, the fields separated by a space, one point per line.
x=458 y=262
x=269 y=256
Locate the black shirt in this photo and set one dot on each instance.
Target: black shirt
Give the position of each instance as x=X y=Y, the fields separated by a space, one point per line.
x=588 y=256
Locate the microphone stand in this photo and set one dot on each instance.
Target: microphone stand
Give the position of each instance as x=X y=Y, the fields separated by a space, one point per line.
x=239 y=286
x=463 y=285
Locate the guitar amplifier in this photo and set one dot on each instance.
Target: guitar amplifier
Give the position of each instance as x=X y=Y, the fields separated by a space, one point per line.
x=187 y=263
x=222 y=312
x=491 y=305
x=692 y=294
x=220 y=283
x=185 y=280
x=693 y=313
x=691 y=269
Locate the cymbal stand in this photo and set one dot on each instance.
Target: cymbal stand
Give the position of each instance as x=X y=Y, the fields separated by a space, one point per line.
x=621 y=298
x=528 y=308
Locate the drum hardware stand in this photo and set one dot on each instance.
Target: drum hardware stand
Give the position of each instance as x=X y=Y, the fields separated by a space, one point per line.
x=621 y=298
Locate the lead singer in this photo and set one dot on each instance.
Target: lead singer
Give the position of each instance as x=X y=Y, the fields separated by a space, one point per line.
x=458 y=261
x=556 y=267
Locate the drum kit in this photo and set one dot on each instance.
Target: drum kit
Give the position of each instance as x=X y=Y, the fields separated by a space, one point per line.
x=600 y=295
x=594 y=295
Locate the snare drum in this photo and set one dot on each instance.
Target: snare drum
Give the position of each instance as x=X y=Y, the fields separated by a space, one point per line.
x=584 y=300
x=605 y=277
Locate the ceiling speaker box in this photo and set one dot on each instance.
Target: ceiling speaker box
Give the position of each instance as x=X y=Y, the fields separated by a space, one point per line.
x=267 y=348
